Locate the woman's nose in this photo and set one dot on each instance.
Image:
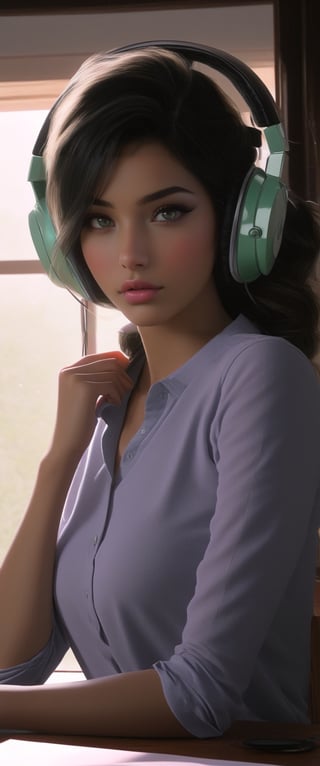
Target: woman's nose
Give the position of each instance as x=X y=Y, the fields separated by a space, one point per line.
x=133 y=250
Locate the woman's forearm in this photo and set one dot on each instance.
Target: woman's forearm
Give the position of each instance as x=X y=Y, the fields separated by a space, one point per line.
x=125 y=705
x=26 y=574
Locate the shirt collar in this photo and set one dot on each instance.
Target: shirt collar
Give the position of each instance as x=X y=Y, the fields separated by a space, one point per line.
x=201 y=361
x=198 y=365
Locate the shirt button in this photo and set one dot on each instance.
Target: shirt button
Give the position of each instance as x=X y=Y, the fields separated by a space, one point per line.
x=95 y=540
x=142 y=430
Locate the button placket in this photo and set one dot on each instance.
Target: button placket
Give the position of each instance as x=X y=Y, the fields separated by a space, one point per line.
x=155 y=404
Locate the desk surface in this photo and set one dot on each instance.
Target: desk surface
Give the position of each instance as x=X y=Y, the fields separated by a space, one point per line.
x=229 y=747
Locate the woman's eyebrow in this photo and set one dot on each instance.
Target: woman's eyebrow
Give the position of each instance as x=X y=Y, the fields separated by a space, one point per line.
x=149 y=197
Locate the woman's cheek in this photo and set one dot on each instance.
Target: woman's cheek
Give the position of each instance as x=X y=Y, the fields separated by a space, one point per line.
x=95 y=258
x=190 y=251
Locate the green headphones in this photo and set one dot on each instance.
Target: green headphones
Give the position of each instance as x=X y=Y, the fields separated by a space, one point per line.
x=259 y=213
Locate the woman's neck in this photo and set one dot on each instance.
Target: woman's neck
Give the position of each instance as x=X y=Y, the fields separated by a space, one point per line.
x=166 y=350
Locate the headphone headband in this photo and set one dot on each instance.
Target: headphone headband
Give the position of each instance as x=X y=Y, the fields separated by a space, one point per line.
x=245 y=80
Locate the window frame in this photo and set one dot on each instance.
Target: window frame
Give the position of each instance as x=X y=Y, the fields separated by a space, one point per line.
x=36 y=95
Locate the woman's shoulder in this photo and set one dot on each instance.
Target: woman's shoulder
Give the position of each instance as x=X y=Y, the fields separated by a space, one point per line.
x=246 y=363
x=244 y=345
x=267 y=386
x=242 y=353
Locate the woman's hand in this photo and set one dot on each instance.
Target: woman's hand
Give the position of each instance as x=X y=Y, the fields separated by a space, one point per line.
x=81 y=387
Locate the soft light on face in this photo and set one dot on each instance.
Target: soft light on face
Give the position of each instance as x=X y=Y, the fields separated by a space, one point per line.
x=149 y=238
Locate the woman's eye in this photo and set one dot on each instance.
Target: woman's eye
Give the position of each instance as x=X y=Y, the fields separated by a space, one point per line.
x=98 y=222
x=171 y=213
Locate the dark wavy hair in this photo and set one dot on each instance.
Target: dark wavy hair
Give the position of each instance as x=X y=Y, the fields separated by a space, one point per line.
x=155 y=94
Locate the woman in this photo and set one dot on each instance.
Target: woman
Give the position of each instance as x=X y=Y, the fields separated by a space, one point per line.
x=183 y=485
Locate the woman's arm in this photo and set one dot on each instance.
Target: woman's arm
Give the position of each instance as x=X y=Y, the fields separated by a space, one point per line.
x=26 y=576
x=244 y=650
x=125 y=705
x=27 y=572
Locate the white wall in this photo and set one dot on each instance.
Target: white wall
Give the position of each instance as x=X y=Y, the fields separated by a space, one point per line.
x=52 y=47
x=245 y=31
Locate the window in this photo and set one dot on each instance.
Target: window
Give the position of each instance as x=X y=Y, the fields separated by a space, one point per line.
x=41 y=328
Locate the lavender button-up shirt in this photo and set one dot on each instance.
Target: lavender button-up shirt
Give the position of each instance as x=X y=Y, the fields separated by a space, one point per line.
x=198 y=558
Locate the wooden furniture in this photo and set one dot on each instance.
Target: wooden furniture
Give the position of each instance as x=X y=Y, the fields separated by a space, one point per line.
x=315 y=658
x=229 y=747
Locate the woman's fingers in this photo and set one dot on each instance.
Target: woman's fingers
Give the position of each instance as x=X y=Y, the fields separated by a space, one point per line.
x=106 y=377
x=110 y=356
x=81 y=387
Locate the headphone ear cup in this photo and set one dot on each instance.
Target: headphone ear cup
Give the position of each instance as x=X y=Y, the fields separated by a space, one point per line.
x=55 y=263
x=257 y=226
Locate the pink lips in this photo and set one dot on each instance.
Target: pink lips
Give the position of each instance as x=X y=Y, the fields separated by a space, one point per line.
x=137 y=291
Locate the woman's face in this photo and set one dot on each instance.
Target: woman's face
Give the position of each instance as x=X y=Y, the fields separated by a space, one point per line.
x=149 y=239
